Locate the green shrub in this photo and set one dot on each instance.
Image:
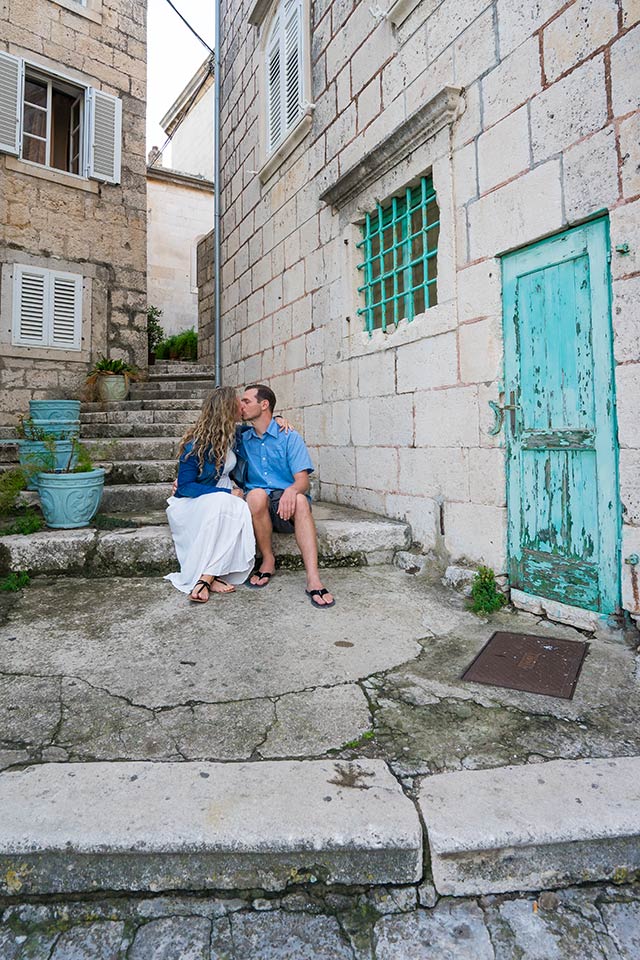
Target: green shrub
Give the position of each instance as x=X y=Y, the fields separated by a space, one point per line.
x=111 y=365
x=486 y=598
x=181 y=346
x=14 y=582
x=155 y=332
x=12 y=482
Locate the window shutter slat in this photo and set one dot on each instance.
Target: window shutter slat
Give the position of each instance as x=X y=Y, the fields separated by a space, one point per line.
x=105 y=135
x=274 y=92
x=30 y=306
x=293 y=49
x=11 y=72
x=66 y=314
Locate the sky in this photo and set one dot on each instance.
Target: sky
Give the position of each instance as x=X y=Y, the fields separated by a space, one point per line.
x=174 y=55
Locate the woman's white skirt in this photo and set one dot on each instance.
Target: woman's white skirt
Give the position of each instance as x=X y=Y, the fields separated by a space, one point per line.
x=213 y=534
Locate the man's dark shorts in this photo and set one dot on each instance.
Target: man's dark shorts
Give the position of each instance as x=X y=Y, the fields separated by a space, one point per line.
x=279 y=525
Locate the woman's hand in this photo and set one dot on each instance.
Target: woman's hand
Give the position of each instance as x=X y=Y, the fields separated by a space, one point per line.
x=284 y=424
x=237 y=492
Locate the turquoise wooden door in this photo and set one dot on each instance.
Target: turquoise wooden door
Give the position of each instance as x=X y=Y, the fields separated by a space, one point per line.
x=562 y=483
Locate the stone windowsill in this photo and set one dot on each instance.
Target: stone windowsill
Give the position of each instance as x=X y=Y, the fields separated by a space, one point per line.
x=46 y=353
x=54 y=176
x=287 y=146
x=92 y=10
x=411 y=134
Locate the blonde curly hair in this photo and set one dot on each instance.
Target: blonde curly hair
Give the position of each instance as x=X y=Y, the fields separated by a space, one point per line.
x=215 y=429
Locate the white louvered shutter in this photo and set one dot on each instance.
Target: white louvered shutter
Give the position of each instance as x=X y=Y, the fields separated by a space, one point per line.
x=30 y=306
x=66 y=311
x=293 y=55
x=11 y=74
x=275 y=124
x=105 y=136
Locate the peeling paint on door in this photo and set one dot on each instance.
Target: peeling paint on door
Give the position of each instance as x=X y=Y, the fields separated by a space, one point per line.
x=562 y=483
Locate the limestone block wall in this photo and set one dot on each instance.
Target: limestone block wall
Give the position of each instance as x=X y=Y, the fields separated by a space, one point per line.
x=547 y=137
x=180 y=214
x=51 y=219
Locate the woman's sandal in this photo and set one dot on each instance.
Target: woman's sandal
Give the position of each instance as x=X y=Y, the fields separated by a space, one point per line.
x=197 y=599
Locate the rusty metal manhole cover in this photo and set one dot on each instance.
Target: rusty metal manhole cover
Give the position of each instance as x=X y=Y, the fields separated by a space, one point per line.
x=521 y=661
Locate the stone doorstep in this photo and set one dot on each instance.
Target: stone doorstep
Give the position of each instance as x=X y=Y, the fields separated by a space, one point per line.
x=533 y=827
x=344 y=538
x=127 y=826
x=150 y=415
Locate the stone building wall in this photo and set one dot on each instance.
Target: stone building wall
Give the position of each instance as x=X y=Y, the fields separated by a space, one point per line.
x=546 y=136
x=51 y=219
x=180 y=212
x=206 y=322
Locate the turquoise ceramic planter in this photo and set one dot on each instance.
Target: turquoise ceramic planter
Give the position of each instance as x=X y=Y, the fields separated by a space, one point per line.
x=60 y=429
x=33 y=454
x=54 y=409
x=70 y=500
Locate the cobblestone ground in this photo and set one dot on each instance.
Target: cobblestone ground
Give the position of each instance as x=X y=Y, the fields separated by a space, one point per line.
x=590 y=923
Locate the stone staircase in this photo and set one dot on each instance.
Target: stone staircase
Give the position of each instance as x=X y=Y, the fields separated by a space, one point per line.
x=137 y=441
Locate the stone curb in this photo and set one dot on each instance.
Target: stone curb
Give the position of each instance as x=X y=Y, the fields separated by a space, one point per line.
x=70 y=828
x=149 y=551
x=533 y=827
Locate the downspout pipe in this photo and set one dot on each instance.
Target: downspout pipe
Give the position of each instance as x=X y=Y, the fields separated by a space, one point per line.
x=217 y=318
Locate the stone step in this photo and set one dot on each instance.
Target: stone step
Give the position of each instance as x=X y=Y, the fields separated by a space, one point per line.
x=149 y=415
x=181 y=366
x=533 y=827
x=153 y=392
x=139 y=471
x=181 y=376
x=117 y=430
x=346 y=537
x=159 y=404
x=133 y=448
x=140 y=826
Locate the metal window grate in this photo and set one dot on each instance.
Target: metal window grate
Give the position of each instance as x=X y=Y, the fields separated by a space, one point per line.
x=400 y=244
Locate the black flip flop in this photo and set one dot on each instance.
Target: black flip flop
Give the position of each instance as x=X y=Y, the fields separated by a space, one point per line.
x=319 y=593
x=259 y=586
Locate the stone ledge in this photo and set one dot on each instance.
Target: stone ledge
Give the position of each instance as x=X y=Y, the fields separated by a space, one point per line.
x=404 y=139
x=69 y=828
x=533 y=827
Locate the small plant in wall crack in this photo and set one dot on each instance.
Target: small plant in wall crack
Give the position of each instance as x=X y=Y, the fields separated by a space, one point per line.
x=485 y=596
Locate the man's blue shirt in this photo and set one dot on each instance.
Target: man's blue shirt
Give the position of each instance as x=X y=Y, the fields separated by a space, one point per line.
x=273 y=458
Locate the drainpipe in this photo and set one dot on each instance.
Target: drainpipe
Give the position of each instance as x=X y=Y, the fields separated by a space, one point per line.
x=216 y=197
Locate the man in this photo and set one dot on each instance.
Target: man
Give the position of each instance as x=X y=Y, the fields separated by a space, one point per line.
x=276 y=488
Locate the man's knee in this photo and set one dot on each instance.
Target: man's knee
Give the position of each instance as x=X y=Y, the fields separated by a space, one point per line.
x=302 y=505
x=257 y=501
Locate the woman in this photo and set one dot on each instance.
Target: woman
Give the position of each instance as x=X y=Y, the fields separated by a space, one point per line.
x=212 y=530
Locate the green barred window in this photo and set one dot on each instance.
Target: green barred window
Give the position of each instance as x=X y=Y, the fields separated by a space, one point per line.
x=400 y=246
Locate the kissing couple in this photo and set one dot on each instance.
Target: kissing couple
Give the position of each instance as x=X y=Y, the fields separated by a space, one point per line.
x=236 y=484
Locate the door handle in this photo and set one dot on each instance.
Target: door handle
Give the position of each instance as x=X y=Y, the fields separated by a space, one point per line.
x=498 y=412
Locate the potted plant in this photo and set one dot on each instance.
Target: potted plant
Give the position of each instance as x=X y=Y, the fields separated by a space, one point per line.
x=111 y=378
x=70 y=496
x=39 y=448
x=155 y=332
x=180 y=346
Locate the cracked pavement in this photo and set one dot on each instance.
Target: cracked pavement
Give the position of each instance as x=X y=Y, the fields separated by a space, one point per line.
x=126 y=670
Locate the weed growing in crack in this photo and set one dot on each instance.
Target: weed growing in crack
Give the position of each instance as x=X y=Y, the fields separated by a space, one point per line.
x=359 y=741
x=15 y=581
x=485 y=596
